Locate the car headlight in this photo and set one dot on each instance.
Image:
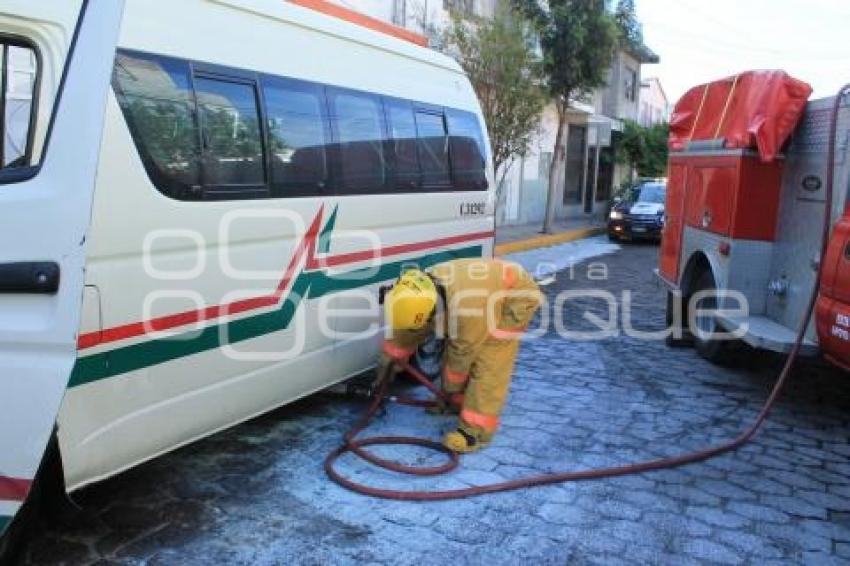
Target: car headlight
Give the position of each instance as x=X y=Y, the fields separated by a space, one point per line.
x=615 y=215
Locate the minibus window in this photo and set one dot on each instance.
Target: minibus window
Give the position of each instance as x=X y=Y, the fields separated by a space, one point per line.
x=204 y=132
x=403 y=135
x=466 y=143
x=156 y=98
x=297 y=141
x=18 y=80
x=433 y=150
x=231 y=135
x=357 y=120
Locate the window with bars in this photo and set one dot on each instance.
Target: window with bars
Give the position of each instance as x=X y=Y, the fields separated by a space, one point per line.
x=630 y=84
x=464 y=7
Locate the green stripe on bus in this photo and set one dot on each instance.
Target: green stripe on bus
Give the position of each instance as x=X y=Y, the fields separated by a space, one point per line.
x=4 y=522
x=325 y=237
x=312 y=285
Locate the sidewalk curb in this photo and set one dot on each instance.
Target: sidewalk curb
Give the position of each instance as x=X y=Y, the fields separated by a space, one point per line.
x=546 y=240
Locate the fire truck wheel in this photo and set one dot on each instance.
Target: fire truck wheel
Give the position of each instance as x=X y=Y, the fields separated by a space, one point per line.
x=717 y=351
x=680 y=336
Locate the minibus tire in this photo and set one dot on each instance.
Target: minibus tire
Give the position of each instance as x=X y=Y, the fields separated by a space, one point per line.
x=723 y=353
x=12 y=541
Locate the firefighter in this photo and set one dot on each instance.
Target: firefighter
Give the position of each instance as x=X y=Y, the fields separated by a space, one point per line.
x=482 y=307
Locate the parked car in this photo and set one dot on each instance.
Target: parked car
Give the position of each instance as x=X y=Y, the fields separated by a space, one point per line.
x=639 y=212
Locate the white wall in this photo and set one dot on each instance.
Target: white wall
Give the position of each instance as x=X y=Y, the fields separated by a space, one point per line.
x=526 y=184
x=654 y=106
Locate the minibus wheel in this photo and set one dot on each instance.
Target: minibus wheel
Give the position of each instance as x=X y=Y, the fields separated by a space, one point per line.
x=12 y=541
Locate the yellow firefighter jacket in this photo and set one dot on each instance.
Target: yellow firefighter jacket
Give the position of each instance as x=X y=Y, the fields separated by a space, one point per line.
x=482 y=298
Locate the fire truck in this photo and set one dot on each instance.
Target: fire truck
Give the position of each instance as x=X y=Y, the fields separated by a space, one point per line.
x=753 y=167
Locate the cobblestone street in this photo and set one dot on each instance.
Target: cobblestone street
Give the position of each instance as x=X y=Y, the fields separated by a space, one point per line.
x=257 y=493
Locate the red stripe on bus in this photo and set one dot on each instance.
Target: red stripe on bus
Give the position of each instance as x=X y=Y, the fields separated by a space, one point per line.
x=307 y=245
x=14 y=489
x=179 y=319
x=354 y=257
x=168 y=322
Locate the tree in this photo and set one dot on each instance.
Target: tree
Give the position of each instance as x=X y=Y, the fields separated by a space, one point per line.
x=645 y=148
x=578 y=39
x=626 y=17
x=500 y=61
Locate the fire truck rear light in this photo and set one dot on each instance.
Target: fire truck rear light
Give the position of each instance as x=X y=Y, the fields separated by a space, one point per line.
x=725 y=248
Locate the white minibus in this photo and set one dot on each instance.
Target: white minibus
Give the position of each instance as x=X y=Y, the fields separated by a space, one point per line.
x=198 y=203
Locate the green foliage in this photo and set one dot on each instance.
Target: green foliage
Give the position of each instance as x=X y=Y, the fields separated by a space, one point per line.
x=645 y=148
x=578 y=39
x=499 y=59
x=626 y=17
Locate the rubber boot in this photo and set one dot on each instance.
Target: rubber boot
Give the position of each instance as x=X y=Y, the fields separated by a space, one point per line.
x=463 y=441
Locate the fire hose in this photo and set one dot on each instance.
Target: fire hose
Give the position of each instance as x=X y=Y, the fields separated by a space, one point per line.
x=358 y=447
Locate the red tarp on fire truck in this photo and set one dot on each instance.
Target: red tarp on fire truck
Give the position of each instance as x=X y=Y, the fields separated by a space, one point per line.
x=755 y=109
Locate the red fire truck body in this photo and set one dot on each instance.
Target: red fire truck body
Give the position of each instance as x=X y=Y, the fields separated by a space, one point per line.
x=744 y=213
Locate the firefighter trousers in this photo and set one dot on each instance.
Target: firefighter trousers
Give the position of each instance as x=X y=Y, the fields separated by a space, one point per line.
x=483 y=396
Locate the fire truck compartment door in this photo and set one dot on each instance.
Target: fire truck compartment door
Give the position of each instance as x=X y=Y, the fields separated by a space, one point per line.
x=671 y=241
x=710 y=197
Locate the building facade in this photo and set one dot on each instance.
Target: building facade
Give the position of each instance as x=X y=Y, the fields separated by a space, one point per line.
x=654 y=105
x=591 y=173
x=421 y=16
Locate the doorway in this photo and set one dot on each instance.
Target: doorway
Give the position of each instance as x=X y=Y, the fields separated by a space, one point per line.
x=574 y=173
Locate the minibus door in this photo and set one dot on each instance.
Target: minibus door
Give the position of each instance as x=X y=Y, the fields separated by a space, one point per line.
x=45 y=207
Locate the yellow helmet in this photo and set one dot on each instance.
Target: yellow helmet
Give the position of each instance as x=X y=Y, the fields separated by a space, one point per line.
x=411 y=301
